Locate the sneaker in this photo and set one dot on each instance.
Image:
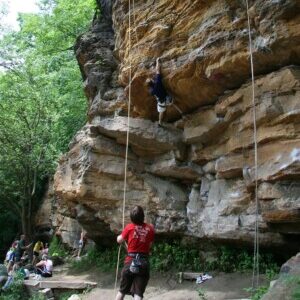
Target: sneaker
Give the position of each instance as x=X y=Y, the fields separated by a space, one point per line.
x=199 y=280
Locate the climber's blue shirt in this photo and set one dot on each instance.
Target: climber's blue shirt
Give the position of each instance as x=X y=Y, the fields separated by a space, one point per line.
x=158 y=90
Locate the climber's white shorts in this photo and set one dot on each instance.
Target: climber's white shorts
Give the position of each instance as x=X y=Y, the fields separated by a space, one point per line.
x=162 y=106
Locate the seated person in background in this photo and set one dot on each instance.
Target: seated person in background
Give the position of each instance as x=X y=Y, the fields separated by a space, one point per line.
x=45 y=267
x=37 y=249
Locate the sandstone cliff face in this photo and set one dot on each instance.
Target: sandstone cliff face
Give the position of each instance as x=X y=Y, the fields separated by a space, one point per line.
x=52 y=218
x=188 y=175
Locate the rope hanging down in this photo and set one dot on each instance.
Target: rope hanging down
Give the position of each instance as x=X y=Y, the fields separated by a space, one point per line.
x=127 y=141
x=256 y=233
x=256 y=237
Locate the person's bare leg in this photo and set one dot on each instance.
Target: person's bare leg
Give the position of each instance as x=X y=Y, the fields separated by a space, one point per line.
x=120 y=296
x=160 y=117
x=10 y=266
x=79 y=252
x=136 y=297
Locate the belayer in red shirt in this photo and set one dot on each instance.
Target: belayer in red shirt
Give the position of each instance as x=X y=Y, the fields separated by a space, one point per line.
x=136 y=272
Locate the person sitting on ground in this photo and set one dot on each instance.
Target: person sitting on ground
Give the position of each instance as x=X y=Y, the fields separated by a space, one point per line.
x=38 y=247
x=44 y=267
x=21 y=248
x=157 y=89
x=135 y=273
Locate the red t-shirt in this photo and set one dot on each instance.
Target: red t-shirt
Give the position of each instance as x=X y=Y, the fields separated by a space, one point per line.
x=138 y=238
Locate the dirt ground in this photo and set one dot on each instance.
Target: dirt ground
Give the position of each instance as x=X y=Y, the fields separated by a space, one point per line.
x=222 y=286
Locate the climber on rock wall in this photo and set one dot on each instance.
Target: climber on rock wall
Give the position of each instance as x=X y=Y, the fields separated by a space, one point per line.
x=157 y=89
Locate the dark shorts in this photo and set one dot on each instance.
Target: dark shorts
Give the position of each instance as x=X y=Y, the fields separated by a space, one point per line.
x=134 y=284
x=43 y=273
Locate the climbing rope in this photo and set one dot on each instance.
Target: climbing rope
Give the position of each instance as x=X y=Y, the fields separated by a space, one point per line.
x=127 y=143
x=139 y=47
x=256 y=232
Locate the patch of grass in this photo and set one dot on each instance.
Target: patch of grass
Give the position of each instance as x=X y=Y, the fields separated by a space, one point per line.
x=201 y=294
x=294 y=283
x=56 y=248
x=37 y=297
x=66 y=295
x=100 y=258
x=296 y=293
x=257 y=293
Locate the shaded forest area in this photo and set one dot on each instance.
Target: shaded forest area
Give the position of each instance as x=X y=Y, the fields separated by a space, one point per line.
x=42 y=105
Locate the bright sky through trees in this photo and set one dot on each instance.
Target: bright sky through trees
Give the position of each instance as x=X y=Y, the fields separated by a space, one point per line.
x=14 y=7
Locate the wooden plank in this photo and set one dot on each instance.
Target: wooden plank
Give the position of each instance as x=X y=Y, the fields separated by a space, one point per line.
x=32 y=283
x=72 y=285
x=52 y=284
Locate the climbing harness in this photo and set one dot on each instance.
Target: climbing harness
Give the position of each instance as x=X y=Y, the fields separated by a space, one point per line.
x=255 y=274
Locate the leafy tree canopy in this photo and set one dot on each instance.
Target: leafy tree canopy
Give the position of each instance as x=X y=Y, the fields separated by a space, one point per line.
x=42 y=104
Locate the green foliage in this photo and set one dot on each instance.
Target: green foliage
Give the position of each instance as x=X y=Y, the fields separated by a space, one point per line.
x=257 y=293
x=167 y=256
x=9 y=226
x=173 y=255
x=103 y=259
x=201 y=294
x=231 y=260
x=66 y=295
x=42 y=104
x=296 y=293
x=293 y=283
x=272 y=273
x=56 y=248
x=59 y=24
x=37 y=297
x=16 y=291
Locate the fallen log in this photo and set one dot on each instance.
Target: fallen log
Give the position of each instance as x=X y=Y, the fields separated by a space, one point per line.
x=188 y=276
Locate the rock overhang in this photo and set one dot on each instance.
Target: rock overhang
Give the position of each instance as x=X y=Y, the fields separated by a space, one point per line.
x=189 y=175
